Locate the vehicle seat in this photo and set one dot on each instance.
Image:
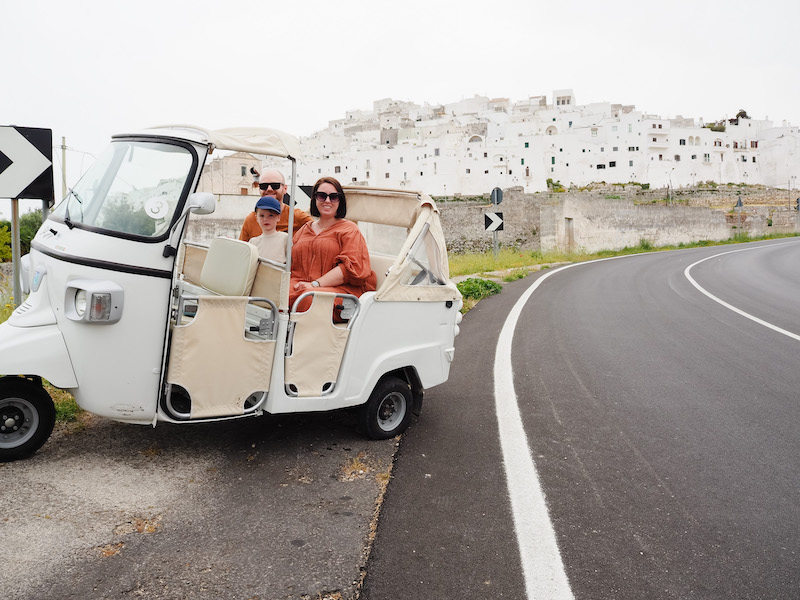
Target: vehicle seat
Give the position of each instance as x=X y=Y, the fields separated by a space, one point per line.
x=230 y=267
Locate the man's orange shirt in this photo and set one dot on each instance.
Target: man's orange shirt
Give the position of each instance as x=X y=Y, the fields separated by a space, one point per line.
x=251 y=228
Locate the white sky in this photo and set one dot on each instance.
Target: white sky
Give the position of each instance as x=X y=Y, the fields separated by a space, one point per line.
x=90 y=68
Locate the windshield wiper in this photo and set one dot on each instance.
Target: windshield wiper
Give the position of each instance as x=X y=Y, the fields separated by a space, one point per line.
x=67 y=220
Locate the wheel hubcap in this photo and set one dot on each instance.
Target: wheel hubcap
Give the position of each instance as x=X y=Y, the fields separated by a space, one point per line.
x=391 y=411
x=18 y=422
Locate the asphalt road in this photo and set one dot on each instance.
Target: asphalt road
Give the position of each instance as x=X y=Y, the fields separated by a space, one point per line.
x=264 y=508
x=662 y=424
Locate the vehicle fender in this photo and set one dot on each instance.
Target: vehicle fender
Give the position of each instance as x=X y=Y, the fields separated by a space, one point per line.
x=39 y=351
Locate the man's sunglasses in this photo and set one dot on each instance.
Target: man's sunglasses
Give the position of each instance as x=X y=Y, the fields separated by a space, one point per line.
x=322 y=196
x=266 y=186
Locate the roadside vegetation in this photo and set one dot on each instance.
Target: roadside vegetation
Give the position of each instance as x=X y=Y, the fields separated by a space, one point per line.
x=512 y=264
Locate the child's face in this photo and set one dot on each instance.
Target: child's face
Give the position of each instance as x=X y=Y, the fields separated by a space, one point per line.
x=267 y=219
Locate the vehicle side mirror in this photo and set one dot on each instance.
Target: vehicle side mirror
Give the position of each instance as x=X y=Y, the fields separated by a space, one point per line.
x=201 y=203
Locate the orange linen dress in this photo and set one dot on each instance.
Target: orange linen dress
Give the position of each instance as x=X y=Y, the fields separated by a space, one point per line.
x=341 y=244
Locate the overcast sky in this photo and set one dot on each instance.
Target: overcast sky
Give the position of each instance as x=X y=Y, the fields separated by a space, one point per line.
x=90 y=68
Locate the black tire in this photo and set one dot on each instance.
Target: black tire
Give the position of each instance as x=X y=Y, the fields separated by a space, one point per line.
x=387 y=413
x=27 y=417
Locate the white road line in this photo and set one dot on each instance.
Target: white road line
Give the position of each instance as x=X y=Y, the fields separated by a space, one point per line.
x=542 y=566
x=738 y=311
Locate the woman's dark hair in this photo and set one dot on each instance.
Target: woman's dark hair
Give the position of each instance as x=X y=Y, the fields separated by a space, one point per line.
x=341 y=212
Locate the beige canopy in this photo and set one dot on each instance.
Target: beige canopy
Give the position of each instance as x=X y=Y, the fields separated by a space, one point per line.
x=256 y=140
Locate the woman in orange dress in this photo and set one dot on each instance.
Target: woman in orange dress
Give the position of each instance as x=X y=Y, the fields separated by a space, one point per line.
x=329 y=254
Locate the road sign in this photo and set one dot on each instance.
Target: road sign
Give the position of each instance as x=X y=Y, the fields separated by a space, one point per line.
x=493 y=221
x=497 y=196
x=26 y=163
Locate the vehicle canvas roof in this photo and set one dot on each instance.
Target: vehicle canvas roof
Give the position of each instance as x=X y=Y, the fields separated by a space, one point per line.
x=256 y=140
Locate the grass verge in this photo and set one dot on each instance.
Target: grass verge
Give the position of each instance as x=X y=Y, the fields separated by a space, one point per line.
x=511 y=259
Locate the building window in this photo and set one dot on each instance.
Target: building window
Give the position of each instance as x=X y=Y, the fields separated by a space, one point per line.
x=570 y=123
x=485 y=155
x=527 y=145
x=337 y=169
x=660 y=157
x=601 y=166
x=659 y=125
x=420 y=174
x=552 y=160
x=754 y=159
x=368 y=165
x=615 y=148
x=630 y=163
x=706 y=158
x=244 y=171
x=388 y=161
x=682 y=142
x=367 y=174
x=486 y=172
x=677 y=158
x=612 y=164
x=401 y=159
x=594 y=131
x=522 y=161
x=436 y=152
x=744 y=159
x=655 y=140
x=694 y=156
x=386 y=176
x=467 y=171
x=753 y=144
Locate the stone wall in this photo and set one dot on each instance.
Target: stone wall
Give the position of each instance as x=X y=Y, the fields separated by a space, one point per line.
x=614 y=218
x=594 y=220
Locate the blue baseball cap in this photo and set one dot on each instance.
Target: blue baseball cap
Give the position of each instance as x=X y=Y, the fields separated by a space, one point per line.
x=269 y=203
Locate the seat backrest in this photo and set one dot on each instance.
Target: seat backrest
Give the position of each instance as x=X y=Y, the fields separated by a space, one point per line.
x=230 y=267
x=380 y=264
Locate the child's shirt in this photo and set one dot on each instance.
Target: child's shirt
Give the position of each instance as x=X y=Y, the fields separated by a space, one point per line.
x=271 y=245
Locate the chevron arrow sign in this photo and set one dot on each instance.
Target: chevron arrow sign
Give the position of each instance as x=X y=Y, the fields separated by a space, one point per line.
x=26 y=163
x=493 y=221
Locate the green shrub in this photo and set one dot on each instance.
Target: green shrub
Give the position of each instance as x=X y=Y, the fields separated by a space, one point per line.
x=477 y=288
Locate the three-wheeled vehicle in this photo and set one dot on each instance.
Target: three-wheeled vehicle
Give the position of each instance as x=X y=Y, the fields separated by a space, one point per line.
x=142 y=325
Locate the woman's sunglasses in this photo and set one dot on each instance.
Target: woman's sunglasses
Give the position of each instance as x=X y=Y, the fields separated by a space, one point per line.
x=322 y=196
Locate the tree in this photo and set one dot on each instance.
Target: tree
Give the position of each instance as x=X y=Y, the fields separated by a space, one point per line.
x=742 y=114
x=5 y=243
x=29 y=224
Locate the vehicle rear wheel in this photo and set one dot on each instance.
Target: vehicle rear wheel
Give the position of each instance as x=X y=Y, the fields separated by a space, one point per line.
x=387 y=413
x=27 y=417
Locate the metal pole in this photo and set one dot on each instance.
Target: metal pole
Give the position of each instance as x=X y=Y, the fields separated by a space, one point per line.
x=63 y=167
x=15 y=250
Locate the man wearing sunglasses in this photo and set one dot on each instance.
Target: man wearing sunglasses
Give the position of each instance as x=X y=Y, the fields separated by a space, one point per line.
x=272 y=183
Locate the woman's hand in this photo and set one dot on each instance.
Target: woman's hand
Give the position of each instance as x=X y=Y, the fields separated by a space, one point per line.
x=303 y=286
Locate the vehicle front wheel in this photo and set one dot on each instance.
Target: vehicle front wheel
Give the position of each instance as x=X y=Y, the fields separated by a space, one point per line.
x=387 y=413
x=27 y=417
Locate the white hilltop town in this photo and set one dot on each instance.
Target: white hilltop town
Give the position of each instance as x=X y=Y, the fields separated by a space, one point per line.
x=469 y=147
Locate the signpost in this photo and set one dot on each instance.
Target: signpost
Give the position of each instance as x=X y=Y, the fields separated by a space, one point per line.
x=493 y=221
x=26 y=171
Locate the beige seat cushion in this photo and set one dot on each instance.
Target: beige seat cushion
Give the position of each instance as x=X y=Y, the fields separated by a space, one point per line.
x=230 y=267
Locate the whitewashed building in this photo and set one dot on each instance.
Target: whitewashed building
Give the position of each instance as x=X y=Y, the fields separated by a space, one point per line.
x=471 y=146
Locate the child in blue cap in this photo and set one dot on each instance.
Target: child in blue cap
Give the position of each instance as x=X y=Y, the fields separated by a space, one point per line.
x=271 y=243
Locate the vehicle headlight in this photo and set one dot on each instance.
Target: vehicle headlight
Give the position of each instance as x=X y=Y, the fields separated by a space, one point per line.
x=93 y=301
x=80 y=302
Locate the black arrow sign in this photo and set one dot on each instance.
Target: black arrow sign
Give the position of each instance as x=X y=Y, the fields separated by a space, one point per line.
x=26 y=163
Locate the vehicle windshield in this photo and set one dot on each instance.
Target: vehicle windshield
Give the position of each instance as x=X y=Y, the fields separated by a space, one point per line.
x=133 y=188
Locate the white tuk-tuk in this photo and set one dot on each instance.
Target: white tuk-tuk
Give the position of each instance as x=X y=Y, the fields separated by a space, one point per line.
x=141 y=325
